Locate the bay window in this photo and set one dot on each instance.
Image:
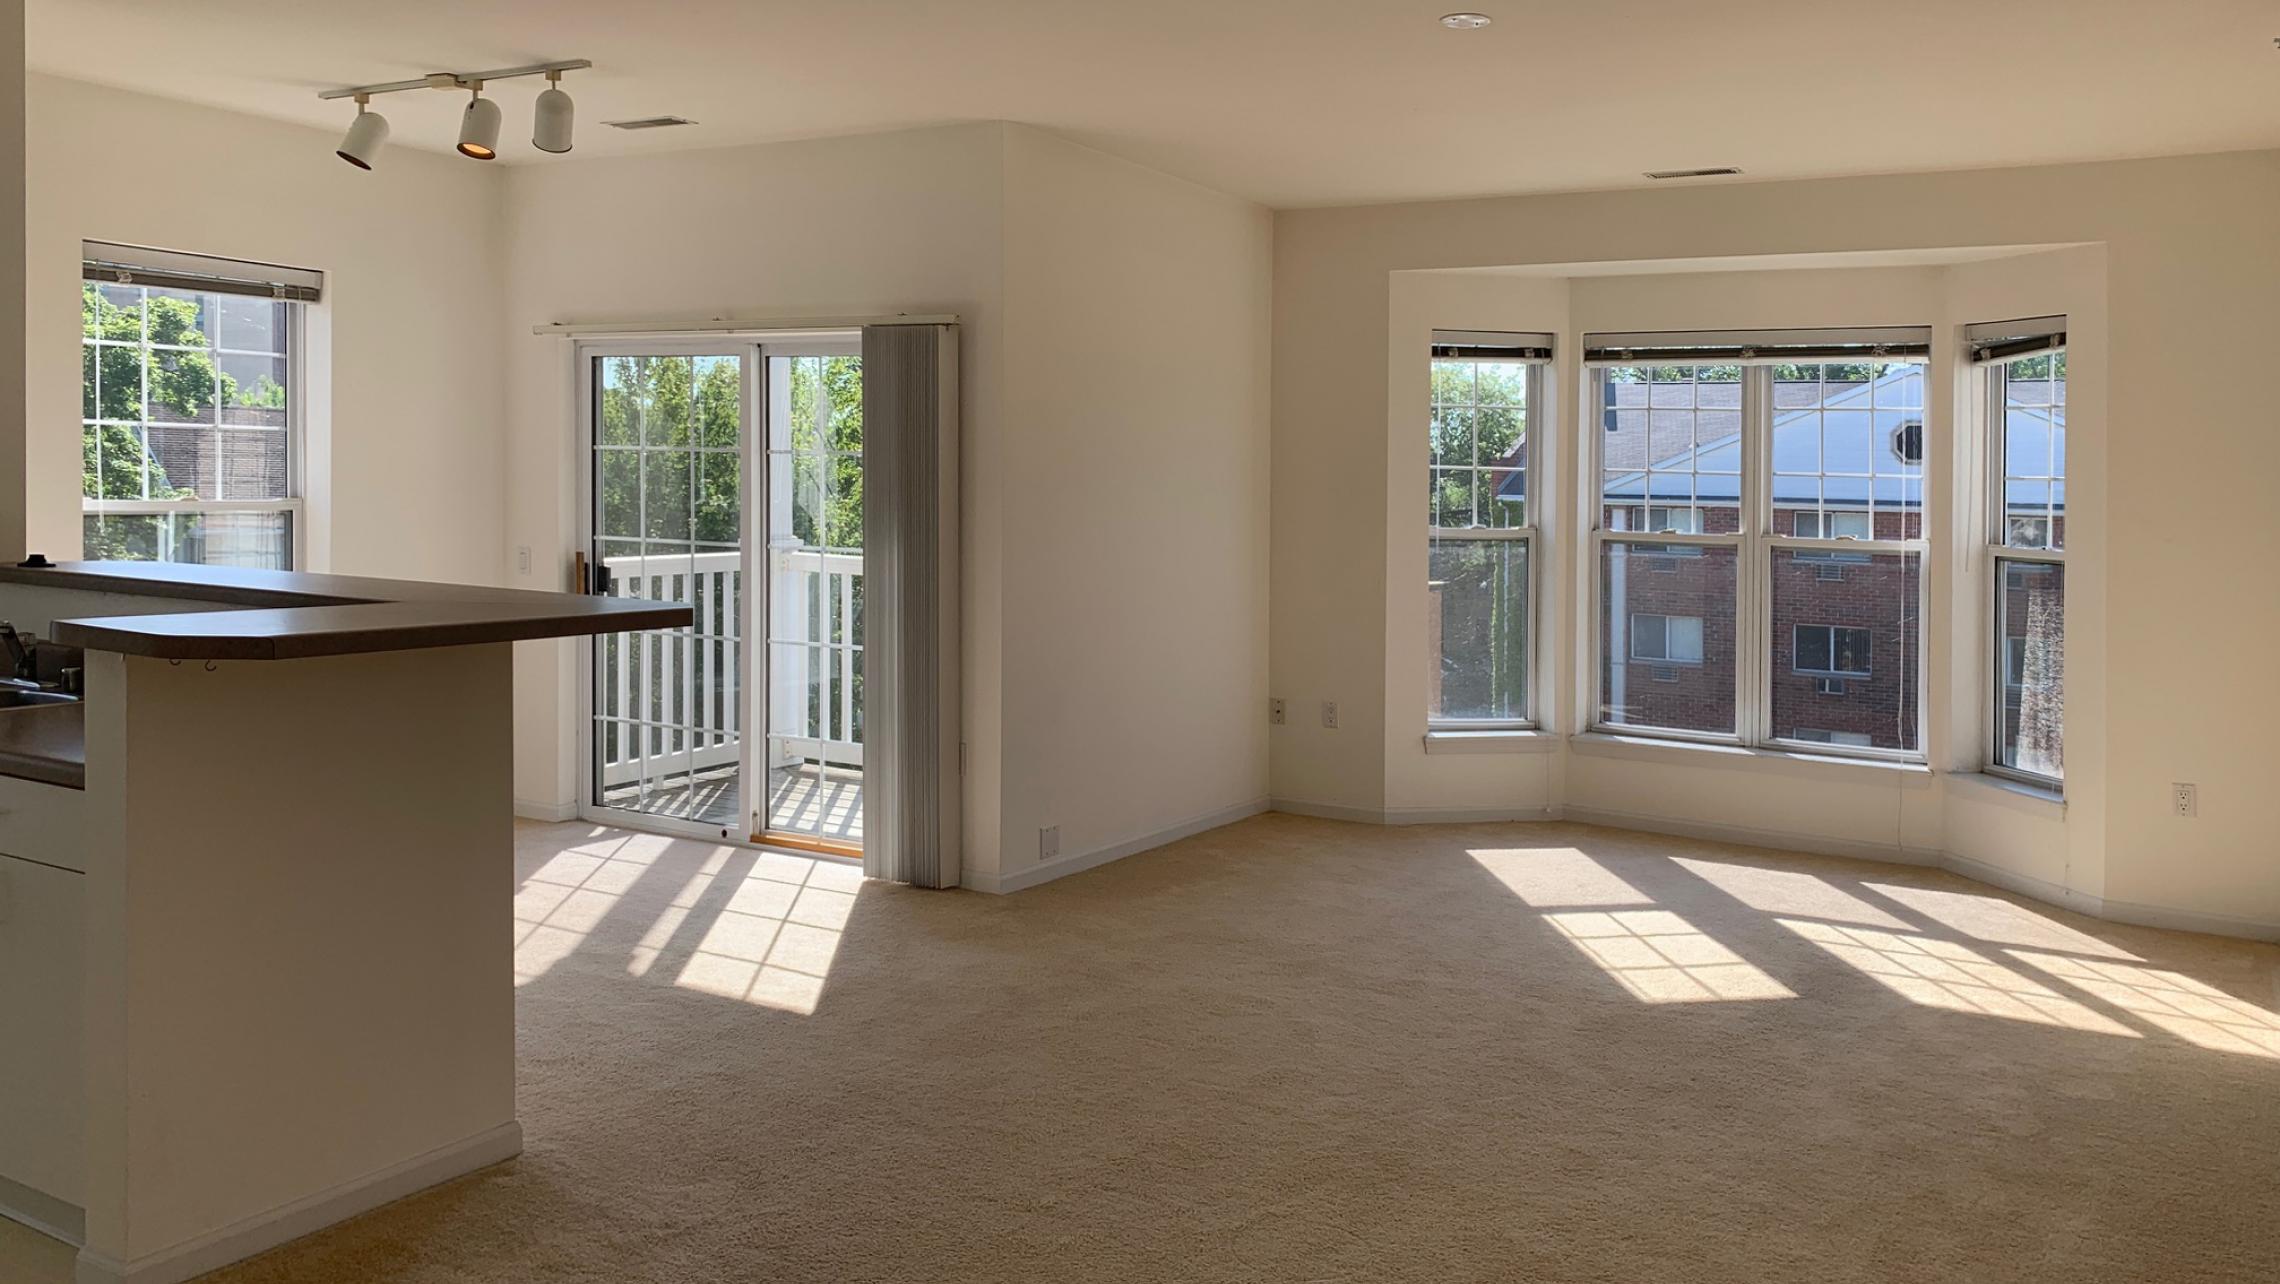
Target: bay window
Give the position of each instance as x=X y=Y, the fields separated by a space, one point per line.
x=2025 y=365
x=1482 y=524
x=190 y=407
x=1768 y=486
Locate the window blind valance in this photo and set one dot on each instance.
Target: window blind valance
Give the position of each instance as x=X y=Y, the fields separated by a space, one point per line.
x=173 y=270
x=1491 y=345
x=1995 y=341
x=1759 y=347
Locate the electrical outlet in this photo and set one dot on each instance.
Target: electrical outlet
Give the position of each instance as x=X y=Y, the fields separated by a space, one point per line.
x=2184 y=799
x=1048 y=842
x=1275 y=712
x=1330 y=714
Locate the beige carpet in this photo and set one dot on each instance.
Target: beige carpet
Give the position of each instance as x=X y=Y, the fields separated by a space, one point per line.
x=1297 y=1050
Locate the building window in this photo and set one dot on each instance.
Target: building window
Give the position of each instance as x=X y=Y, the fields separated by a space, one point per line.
x=1667 y=639
x=1805 y=559
x=2026 y=433
x=1481 y=527
x=190 y=414
x=1831 y=651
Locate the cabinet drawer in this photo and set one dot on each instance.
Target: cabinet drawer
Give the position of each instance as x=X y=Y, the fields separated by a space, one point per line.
x=43 y=1106
x=43 y=823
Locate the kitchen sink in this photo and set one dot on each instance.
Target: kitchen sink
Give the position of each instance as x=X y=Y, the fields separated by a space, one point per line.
x=18 y=698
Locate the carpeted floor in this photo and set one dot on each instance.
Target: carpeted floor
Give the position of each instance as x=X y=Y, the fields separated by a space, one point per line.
x=1299 y=1050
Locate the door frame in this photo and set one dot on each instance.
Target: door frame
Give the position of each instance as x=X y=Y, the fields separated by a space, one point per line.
x=755 y=348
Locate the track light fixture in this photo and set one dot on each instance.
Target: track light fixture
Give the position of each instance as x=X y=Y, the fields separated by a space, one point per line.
x=479 y=127
x=478 y=124
x=550 y=120
x=366 y=135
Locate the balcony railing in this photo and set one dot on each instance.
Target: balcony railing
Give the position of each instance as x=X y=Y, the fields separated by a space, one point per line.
x=672 y=702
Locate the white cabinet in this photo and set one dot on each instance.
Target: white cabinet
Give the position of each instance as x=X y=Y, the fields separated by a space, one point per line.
x=43 y=907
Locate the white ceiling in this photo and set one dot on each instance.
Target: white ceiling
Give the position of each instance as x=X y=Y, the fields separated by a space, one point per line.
x=1290 y=102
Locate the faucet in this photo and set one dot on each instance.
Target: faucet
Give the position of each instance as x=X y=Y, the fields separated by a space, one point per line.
x=23 y=652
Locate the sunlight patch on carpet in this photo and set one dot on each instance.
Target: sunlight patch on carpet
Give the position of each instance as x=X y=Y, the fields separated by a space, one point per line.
x=1943 y=974
x=1661 y=958
x=2196 y=1012
x=1995 y=920
x=1784 y=891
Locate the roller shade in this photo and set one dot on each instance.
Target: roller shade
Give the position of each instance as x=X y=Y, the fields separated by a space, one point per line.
x=1491 y=345
x=1759 y=347
x=1996 y=341
x=173 y=270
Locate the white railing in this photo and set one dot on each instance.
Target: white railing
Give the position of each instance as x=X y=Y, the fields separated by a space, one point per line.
x=675 y=699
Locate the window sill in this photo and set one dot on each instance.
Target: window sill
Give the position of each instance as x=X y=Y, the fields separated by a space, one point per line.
x=1602 y=744
x=1491 y=740
x=2035 y=800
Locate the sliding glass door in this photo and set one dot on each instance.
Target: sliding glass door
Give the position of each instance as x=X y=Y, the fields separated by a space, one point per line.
x=715 y=466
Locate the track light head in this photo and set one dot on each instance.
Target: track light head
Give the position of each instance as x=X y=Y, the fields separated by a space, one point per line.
x=479 y=127
x=550 y=123
x=366 y=135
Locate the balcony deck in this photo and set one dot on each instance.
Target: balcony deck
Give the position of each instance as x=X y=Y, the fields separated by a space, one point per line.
x=822 y=802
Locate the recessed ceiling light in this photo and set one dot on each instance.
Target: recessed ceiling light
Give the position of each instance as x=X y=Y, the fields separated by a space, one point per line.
x=1717 y=171
x=1465 y=21
x=650 y=122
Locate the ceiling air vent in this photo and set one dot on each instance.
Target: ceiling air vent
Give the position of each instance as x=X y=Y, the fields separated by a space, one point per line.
x=650 y=122
x=1719 y=171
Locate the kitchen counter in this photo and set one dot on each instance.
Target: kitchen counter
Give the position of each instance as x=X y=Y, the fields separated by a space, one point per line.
x=46 y=743
x=285 y=615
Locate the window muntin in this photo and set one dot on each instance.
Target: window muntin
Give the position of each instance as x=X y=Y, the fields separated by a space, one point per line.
x=188 y=425
x=1480 y=545
x=2027 y=566
x=1811 y=473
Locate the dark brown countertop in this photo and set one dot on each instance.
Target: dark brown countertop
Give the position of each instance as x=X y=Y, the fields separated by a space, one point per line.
x=47 y=743
x=298 y=615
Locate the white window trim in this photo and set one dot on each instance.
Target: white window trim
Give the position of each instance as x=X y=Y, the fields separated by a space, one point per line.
x=1530 y=534
x=295 y=501
x=1754 y=545
x=1997 y=552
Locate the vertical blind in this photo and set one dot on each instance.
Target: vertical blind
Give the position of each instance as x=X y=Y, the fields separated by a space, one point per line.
x=911 y=822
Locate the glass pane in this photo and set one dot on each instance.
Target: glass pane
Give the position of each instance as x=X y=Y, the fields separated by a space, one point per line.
x=259 y=540
x=252 y=390
x=1671 y=435
x=1850 y=436
x=1666 y=632
x=1479 y=443
x=2030 y=628
x=668 y=706
x=1478 y=626
x=250 y=463
x=114 y=462
x=814 y=532
x=1846 y=648
x=185 y=463
x=253 y=325
x=2034 y=451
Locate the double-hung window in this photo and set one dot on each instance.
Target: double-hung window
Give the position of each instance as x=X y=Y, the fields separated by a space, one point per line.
x=191 y=408
x=2025 y=365
x=1768 y=489
x=1487 y=391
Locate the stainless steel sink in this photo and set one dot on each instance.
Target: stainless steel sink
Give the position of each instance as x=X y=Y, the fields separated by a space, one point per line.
x=18 y=698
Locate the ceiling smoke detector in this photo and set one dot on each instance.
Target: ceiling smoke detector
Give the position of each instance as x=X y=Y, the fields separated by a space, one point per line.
x=1716 y=171
x=1465 y=21
x=650 y=122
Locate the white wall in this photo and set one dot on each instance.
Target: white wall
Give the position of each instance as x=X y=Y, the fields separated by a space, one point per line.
x=407 y=475
x=12 y=420
x=2191 y=247
x=1135 y=504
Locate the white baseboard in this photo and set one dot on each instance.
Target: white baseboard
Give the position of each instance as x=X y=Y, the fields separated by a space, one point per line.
x=1749 y=836
x=1328 y=811
x=52 y=1217
x=1078 y=862
x=2042 y=889
x=265 y=1231
x=528 y=810
x=2182 y=920
x=1412 y=815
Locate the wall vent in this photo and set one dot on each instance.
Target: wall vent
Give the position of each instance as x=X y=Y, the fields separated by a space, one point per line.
x=649 y=122
x=1662 y=673
x=1715 y=171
